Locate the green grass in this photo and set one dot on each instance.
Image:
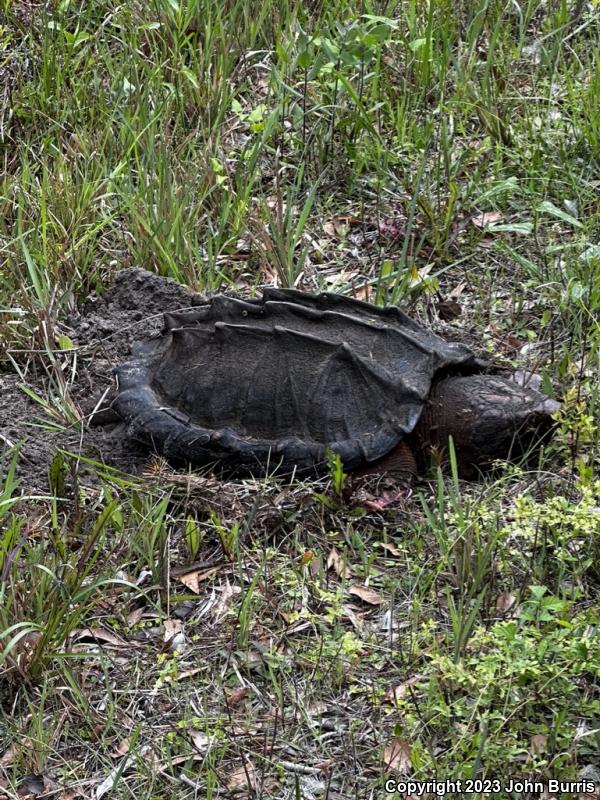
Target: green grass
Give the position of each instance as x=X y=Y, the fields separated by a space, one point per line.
x=343 y=145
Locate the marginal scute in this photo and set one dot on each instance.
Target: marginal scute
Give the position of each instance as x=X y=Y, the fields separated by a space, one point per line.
x=277 y=381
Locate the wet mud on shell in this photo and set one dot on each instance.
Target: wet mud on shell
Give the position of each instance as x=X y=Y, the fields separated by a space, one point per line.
x=103 y=331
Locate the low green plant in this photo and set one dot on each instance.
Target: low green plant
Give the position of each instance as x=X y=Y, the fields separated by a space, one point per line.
x=336 y=471
x=486 y=698
x=49 y=588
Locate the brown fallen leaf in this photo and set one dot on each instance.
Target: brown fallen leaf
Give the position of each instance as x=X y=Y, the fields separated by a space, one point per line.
x=341 y=276
x=317 y=708
x=227 y=595
x=324 y=766
x=98 y=635
x=135 y=616
x=121 y=749
x=392 y=228
x=177 y=760
x=366 y=594
x=189 y=673
x=192 y=580
x=362 y=292
x=396 y=755
x=331 y=229
x=457 y=290
x=306 y=558
x=448 y=309
x=355 y=619
x=338 y=226
x=172 y=627
x=398 y=691
x=9 y=756
x=386 y=500
x=235 y=696
x=338 y=563
x=243 y=777
x=487 y=218
x=199 y=739
x=538 y=744
x=69 y=794
x=507 y=604
x=391 y=548
x=23 y=651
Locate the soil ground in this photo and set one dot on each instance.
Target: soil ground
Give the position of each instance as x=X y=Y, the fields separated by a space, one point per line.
x=102 y=332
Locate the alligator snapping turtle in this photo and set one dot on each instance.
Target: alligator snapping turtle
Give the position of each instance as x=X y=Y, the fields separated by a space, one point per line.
x=275 y=383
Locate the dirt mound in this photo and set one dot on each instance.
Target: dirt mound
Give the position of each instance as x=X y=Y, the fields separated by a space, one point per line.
x=103 y=331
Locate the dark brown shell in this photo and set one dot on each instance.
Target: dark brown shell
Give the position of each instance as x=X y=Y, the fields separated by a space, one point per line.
x=274 y=383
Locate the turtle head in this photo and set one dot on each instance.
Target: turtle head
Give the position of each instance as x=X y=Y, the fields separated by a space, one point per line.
x=490 y=418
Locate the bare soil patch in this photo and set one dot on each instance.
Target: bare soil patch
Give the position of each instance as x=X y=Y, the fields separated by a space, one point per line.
x=103 y=331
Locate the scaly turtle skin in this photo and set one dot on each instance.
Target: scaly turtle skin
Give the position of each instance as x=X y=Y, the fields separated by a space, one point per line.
x=276 y=382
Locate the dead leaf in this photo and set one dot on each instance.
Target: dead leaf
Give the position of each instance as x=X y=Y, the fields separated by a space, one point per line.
x=396 y=755
x=69 y=794
x=398 y=691
x=172 y=627
x=243 y=777
x=391 y=548
x=508 y=342
x=14 y=752
x=98 y=635
x=355 y=620
x=386 y=500
x=192 y=580
x=507 y=604
x=306 y=558
x=362 y=292
x=235 y=696
x=340 y=277
x=271 y=787
x=112 y=778
x=23 y=652
x=538 y=744
x=338 y=563
x=392 y=229
x=135 y=616
x=228 y=593
x=177 y=760
x=200 y=740
x=366 y=594
x=297 y=626
x=317 y=708
x=532 y=380
x=448 y=309
x=121 y=749
x=487 y=218
x=337 y=227
x=458 y=290
x=324 y=766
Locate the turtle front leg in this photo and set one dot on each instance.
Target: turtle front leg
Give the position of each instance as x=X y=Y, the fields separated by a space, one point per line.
x=399 y=464
x=384 y=483
x=396 y=469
